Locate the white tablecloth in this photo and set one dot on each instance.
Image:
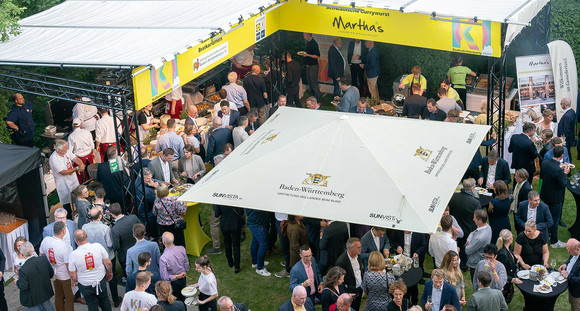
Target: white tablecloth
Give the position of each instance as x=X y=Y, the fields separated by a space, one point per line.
x=7 y=243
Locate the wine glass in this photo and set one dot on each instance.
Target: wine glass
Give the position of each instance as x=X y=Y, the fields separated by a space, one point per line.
x=429 y=300
x=553 y=263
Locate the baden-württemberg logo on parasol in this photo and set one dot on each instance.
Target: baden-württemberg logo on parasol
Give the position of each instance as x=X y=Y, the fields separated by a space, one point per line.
x=316 y=180
x=269 y=138
x=423 y=153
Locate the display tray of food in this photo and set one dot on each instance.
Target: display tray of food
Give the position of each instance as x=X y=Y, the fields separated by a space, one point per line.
x=213 y=97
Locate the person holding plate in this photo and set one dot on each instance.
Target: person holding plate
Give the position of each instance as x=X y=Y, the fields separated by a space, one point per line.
x=207 y=284
x=531 y=248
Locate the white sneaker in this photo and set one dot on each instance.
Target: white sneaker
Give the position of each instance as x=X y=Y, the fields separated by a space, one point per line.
x=558 y=244
x=265 y=264
x=263 y=272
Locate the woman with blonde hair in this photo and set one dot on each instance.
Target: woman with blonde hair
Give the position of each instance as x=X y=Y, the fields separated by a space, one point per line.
x=453 y=275
x=531 y=247
x=376 y=284
x=508 y=259
x=546 y=123
x=398 y=289
x=165 y=297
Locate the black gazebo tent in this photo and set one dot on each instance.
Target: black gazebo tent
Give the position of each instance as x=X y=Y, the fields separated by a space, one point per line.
x=22 y=190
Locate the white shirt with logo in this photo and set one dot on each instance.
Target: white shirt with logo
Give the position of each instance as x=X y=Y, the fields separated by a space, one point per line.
x=137 y=301
x=87 y=261
x=57 y=251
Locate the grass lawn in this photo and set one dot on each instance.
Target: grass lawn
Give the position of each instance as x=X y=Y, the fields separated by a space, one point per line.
x=268 y=293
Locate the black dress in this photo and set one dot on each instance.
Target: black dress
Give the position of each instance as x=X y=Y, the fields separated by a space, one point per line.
x=531 y=249
x=506 y=257
x=498 y=217
x=405 y=305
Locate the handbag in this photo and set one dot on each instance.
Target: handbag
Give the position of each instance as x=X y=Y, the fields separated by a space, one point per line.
x=178 y=224
x=284 y=227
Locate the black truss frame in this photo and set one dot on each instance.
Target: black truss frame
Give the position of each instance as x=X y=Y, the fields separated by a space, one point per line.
x=118 y=99
x=496 y=103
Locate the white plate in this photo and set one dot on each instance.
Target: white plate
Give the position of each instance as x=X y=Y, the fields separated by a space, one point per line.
x=189 y=291
x=524 y=274
x=537 y=288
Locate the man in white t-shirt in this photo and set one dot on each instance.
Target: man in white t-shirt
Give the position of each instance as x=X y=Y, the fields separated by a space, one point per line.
x=90 y=266
x=87 y=113
x=57 y=251
x=138 y=299
x=61 y=164
x=105 y=134
x=442 y=241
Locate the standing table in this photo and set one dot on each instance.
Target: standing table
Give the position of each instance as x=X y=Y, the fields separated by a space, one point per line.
x=195 y=238
x=537 y=301
x=8 y=235
x=573 y=185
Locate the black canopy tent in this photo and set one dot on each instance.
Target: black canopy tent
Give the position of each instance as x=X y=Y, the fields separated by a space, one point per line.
x=22 y=189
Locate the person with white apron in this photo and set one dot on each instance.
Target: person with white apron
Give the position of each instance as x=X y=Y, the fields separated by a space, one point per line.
x=61 y=164
x=146 y=121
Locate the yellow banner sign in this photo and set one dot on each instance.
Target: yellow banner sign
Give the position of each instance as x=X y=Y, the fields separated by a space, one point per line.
x=389 y=26
x=153 y=84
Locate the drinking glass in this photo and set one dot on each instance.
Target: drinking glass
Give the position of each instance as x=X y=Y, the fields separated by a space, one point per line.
x=429 y=299
x=416 y=262
x=553 y=263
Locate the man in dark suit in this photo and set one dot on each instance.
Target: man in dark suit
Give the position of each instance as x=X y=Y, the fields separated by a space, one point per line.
x=225 y=303
x=280 y=103
x=351 y=262
x=362 y=107
x=313 y=227
x=523 y=150
x=543 y=217
x=292 y=80
x=413 y=245
x=448 y=294
x=552 y=192
x=300 y=299
x=113 y=181
x=253 y=122
x=357 y=53
x=122 y=234
x=567 y=124
x=34 y=280
x=232 y=115
x=374 y=240
x=373 y=68
x=432 y=112
x=299 y=275
x=336 y=64
x=462 y=206
x=571 y=271
x=499 y=170
x=218 y=138
x=415 y=104
x=255 y=86
x=332 y=244
x=156 y=166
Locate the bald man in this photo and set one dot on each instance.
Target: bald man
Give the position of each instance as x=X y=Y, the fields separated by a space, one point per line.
x=255 y=86
x=299 y=301
x=225 y=303
x=173 y=265
x=571 y=271
x=343 y=302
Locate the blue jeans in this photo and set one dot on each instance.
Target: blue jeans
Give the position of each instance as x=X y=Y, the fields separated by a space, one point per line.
x=556 y=210
x=259 y=245
x=45 y=306
x=285 y=244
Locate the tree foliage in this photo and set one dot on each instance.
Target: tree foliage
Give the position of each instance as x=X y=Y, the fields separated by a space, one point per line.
x=9 y=15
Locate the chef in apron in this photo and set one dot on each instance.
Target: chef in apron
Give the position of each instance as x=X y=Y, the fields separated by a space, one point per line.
x=61 y=164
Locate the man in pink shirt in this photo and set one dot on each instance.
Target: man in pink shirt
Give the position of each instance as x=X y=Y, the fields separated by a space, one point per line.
x=306 y=273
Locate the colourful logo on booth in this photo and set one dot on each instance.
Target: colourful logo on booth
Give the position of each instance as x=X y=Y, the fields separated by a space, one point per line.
x=159 y=78
x=423 y=153
x=472 y=35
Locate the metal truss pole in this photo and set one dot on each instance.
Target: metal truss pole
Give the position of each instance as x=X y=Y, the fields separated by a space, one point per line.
x=496 y=99
x=117 y=99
